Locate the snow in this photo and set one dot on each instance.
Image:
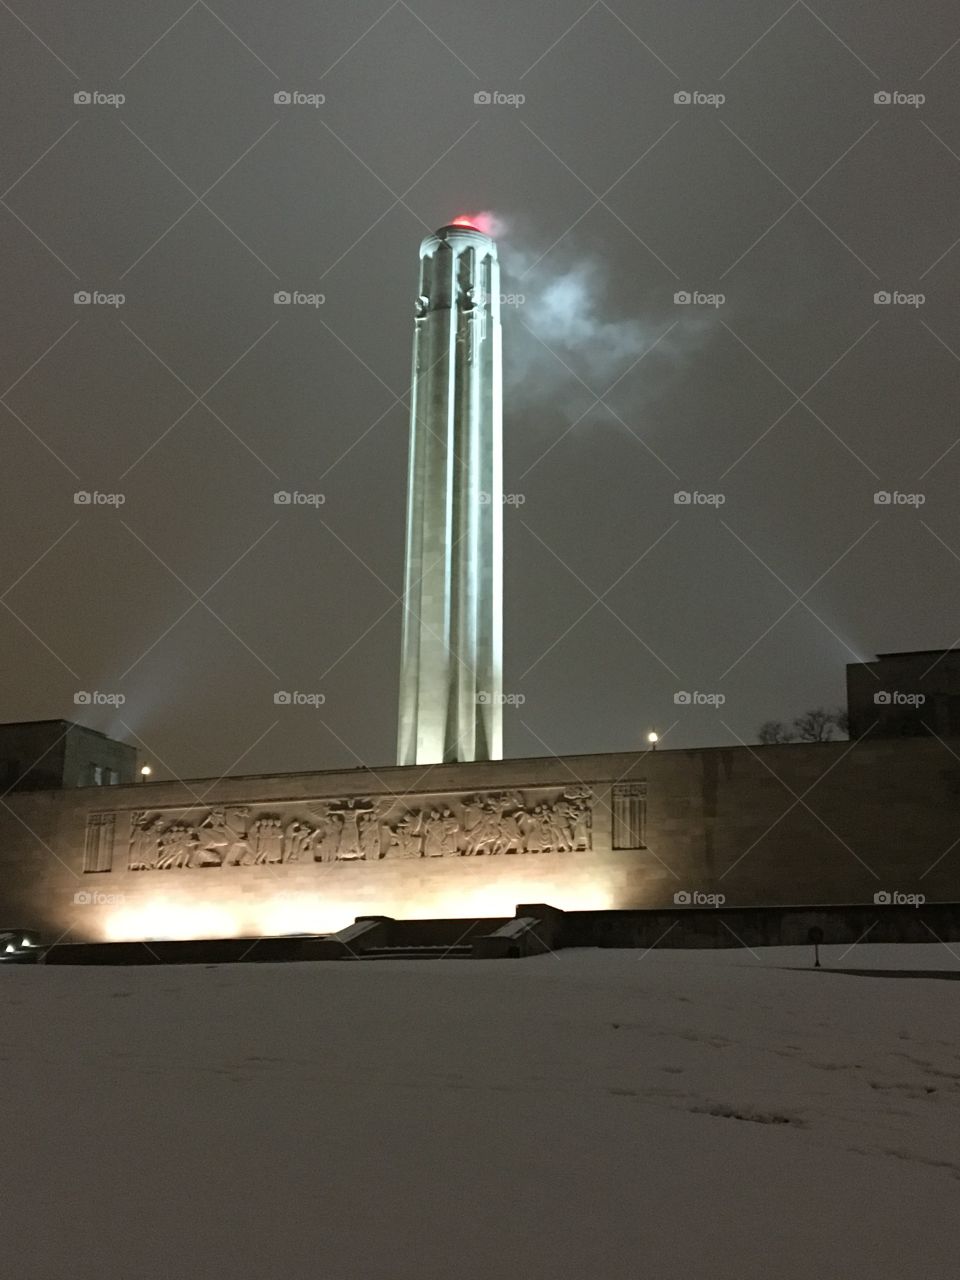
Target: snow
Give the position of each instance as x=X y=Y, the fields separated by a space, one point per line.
x=607 y=1114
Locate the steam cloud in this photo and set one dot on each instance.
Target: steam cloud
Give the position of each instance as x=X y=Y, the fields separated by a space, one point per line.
x=567 y=320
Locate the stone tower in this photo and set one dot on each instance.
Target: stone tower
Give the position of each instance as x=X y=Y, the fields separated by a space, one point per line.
x=451 y=661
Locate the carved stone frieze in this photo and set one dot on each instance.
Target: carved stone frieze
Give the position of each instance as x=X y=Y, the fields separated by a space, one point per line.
x=526 y=820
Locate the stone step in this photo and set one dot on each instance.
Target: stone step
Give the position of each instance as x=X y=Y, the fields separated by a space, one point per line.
x=459 y=952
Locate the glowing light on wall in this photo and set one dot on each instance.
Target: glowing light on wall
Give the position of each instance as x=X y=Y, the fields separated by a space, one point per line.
x=234 y=915
x=160 y=918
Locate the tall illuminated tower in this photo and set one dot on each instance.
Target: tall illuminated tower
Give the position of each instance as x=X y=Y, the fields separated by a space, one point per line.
x=451 y=663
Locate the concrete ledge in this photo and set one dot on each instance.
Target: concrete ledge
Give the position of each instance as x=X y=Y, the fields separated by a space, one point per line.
x=785 y=926
x=193 y=951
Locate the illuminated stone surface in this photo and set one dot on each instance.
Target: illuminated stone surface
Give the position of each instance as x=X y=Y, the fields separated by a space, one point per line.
x=451 y=663
x=311 y=851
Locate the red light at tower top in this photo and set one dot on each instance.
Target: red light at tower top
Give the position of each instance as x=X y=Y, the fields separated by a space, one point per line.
x=482 y=222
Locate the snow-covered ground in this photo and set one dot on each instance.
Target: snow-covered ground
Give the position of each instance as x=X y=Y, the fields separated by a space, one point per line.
x=601 y=1114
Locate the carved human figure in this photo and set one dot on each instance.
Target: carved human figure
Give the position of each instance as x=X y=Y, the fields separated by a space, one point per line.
x=482 y=825
x=577 y=815
x=223 y=840
x=510 y=839
x=555 y=828
x=451 y=829
x=369 y=843
x=177 y=843
x=269 y=841
x=531 y=826
x=548 y=828
x=297 y=838
x=326 y=838
x=349 y=845
x=434 y=832
x=404 y=839
x=144 y=841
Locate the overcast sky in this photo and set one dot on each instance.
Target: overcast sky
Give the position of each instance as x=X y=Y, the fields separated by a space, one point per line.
x=787 y=405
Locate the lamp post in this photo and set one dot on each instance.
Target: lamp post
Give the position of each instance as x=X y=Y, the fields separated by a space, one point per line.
x=145 y=772
x=652 y=739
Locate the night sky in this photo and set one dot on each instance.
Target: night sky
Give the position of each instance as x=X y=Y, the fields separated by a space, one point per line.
x=796 y=399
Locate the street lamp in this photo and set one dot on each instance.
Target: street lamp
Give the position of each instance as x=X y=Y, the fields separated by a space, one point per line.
x=145 y=772
x=653 y=738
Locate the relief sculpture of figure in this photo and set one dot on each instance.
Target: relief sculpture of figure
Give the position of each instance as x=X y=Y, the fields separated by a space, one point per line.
x=365 y=829
x=577 y=815
x=433 y=834
x=575 y=807
x=510 y=839
x=144 y=841
x=221 y=842
x=475 y=826
x=269 y=836
x=177 y=844
x=531 y=827
x=404 y=839
x=326 y=837
x=351 y=847
x=451 y=830
x=369 y=837
x=486 y=827
x=297 y=839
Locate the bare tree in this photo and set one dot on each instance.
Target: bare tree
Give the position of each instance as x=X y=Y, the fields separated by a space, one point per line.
x=819 y=725
x=773 y=732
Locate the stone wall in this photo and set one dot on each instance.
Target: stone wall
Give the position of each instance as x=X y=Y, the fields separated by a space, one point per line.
x=796 y=824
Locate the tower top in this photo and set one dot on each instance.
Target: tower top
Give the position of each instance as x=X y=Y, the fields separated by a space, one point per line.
x=458 y=235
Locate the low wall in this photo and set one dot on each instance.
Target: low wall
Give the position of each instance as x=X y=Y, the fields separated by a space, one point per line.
x=820 y=823
x=760 y=926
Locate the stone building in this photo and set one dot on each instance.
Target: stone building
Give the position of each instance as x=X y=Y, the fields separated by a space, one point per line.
x=41 y=754
x=905 y=694
x=805 y=823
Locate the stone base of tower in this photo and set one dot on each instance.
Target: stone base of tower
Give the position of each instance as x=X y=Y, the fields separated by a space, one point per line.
x=307 y=853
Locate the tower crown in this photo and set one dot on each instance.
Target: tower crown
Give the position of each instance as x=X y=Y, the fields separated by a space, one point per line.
x=458 y=236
